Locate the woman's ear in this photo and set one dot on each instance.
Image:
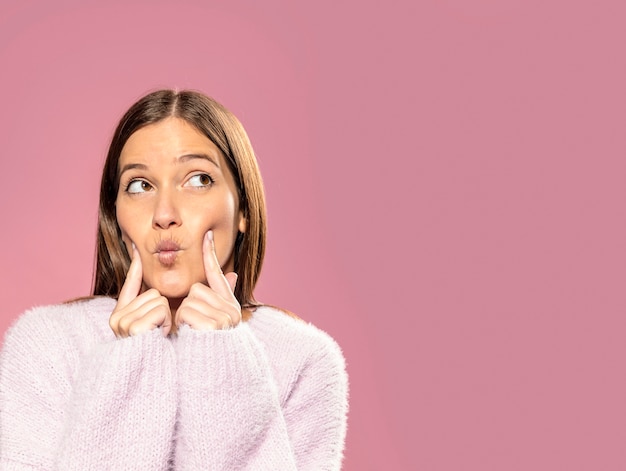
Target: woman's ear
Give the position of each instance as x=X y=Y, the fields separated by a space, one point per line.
x=243 y=223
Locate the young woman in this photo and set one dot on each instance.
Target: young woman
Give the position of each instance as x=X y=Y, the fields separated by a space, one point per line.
x=172 y=364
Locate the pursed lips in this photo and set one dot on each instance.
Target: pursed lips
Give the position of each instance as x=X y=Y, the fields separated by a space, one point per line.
x=167 y=251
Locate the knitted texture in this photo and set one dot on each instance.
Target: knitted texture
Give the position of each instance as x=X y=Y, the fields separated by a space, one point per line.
x=269 y=394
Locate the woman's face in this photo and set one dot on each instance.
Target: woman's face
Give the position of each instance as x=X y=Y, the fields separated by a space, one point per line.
x=175 y=185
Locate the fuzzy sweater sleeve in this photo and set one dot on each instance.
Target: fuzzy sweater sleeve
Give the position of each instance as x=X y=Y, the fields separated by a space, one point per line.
x=68 y=404
x=233 y=414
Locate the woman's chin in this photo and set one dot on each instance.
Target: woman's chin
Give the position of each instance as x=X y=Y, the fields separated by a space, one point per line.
x=174 y=292
x=171 y=290
x=172 y=285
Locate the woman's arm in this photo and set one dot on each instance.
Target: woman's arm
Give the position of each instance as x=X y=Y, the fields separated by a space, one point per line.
x=68 y=405
x=316 y=407
x=233 y=417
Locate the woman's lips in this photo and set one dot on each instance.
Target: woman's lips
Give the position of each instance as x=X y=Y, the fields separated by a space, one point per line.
x=167 y=251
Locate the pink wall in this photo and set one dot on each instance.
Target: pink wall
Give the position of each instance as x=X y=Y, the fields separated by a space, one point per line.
x=446 y=192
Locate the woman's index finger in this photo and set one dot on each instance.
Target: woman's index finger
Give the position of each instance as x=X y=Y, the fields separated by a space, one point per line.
x=134 y=279
x=214 y=275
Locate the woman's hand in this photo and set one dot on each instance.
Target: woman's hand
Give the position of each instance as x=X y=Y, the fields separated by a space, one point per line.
x=211 y=307
x=136 y=313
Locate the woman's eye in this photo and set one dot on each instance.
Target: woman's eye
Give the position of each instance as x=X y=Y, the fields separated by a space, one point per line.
x=200 y=181
x=138 y=186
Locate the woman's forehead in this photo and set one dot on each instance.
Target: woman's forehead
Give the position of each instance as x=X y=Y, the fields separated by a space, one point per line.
x=171 y=140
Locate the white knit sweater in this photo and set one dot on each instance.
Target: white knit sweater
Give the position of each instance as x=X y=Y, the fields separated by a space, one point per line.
x=269 y=394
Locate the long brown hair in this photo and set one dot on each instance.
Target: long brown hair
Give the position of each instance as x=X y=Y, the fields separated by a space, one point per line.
x=227 y=133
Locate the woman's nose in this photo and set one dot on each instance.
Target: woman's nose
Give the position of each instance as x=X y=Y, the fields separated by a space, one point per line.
x=166 y=212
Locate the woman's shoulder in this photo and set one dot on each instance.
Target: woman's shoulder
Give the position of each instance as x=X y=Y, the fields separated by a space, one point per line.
x=83 y=318
x=283 y=332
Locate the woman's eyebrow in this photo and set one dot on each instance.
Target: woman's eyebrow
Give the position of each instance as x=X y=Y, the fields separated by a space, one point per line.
x=131 y=166
x=181 y=160
x=187 y=157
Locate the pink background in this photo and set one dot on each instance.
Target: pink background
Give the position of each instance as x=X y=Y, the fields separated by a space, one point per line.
x=446 y=195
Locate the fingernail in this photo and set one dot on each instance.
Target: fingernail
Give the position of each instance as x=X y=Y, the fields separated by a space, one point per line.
x=210 y=235
x=133 y=245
